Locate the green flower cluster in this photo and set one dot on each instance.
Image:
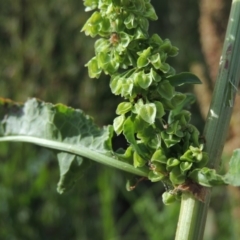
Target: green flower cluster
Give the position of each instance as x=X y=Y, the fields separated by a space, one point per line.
x=151 y=117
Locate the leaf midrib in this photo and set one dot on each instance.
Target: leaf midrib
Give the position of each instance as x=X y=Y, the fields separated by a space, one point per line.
x=78 y=150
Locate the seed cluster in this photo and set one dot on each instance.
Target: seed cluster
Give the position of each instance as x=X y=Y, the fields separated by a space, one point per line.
x=151 y=116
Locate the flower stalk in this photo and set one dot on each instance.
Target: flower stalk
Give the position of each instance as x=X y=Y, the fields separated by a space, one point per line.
x=194 y=213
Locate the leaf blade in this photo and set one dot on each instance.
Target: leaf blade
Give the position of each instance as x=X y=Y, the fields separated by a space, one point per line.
x=62 y=128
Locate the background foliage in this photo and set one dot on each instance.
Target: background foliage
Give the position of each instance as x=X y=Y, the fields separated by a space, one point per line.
x=42 y=55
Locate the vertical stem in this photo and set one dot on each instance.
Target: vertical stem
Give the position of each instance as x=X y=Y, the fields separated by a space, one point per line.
x=192 y=217
x=193 y=213
x=225 y=89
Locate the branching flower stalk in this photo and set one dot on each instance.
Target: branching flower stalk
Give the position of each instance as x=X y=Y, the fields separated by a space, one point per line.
x=151 y=116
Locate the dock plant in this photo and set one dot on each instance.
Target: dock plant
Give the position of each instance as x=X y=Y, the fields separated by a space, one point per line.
x=154 y=115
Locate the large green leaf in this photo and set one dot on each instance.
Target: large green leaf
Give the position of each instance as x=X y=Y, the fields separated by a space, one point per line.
x=57 y=123
x=62 y=128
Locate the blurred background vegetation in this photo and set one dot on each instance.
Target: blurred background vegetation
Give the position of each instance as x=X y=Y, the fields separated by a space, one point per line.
x=43 y=55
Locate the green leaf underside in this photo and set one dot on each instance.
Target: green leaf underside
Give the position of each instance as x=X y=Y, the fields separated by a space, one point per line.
x=233 y=175
x=59 y=127
x=72 y=168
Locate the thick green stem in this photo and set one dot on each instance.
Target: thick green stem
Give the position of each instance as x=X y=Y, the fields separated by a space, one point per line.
x=193 y=213
x=189 y=219
x=192 y=218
